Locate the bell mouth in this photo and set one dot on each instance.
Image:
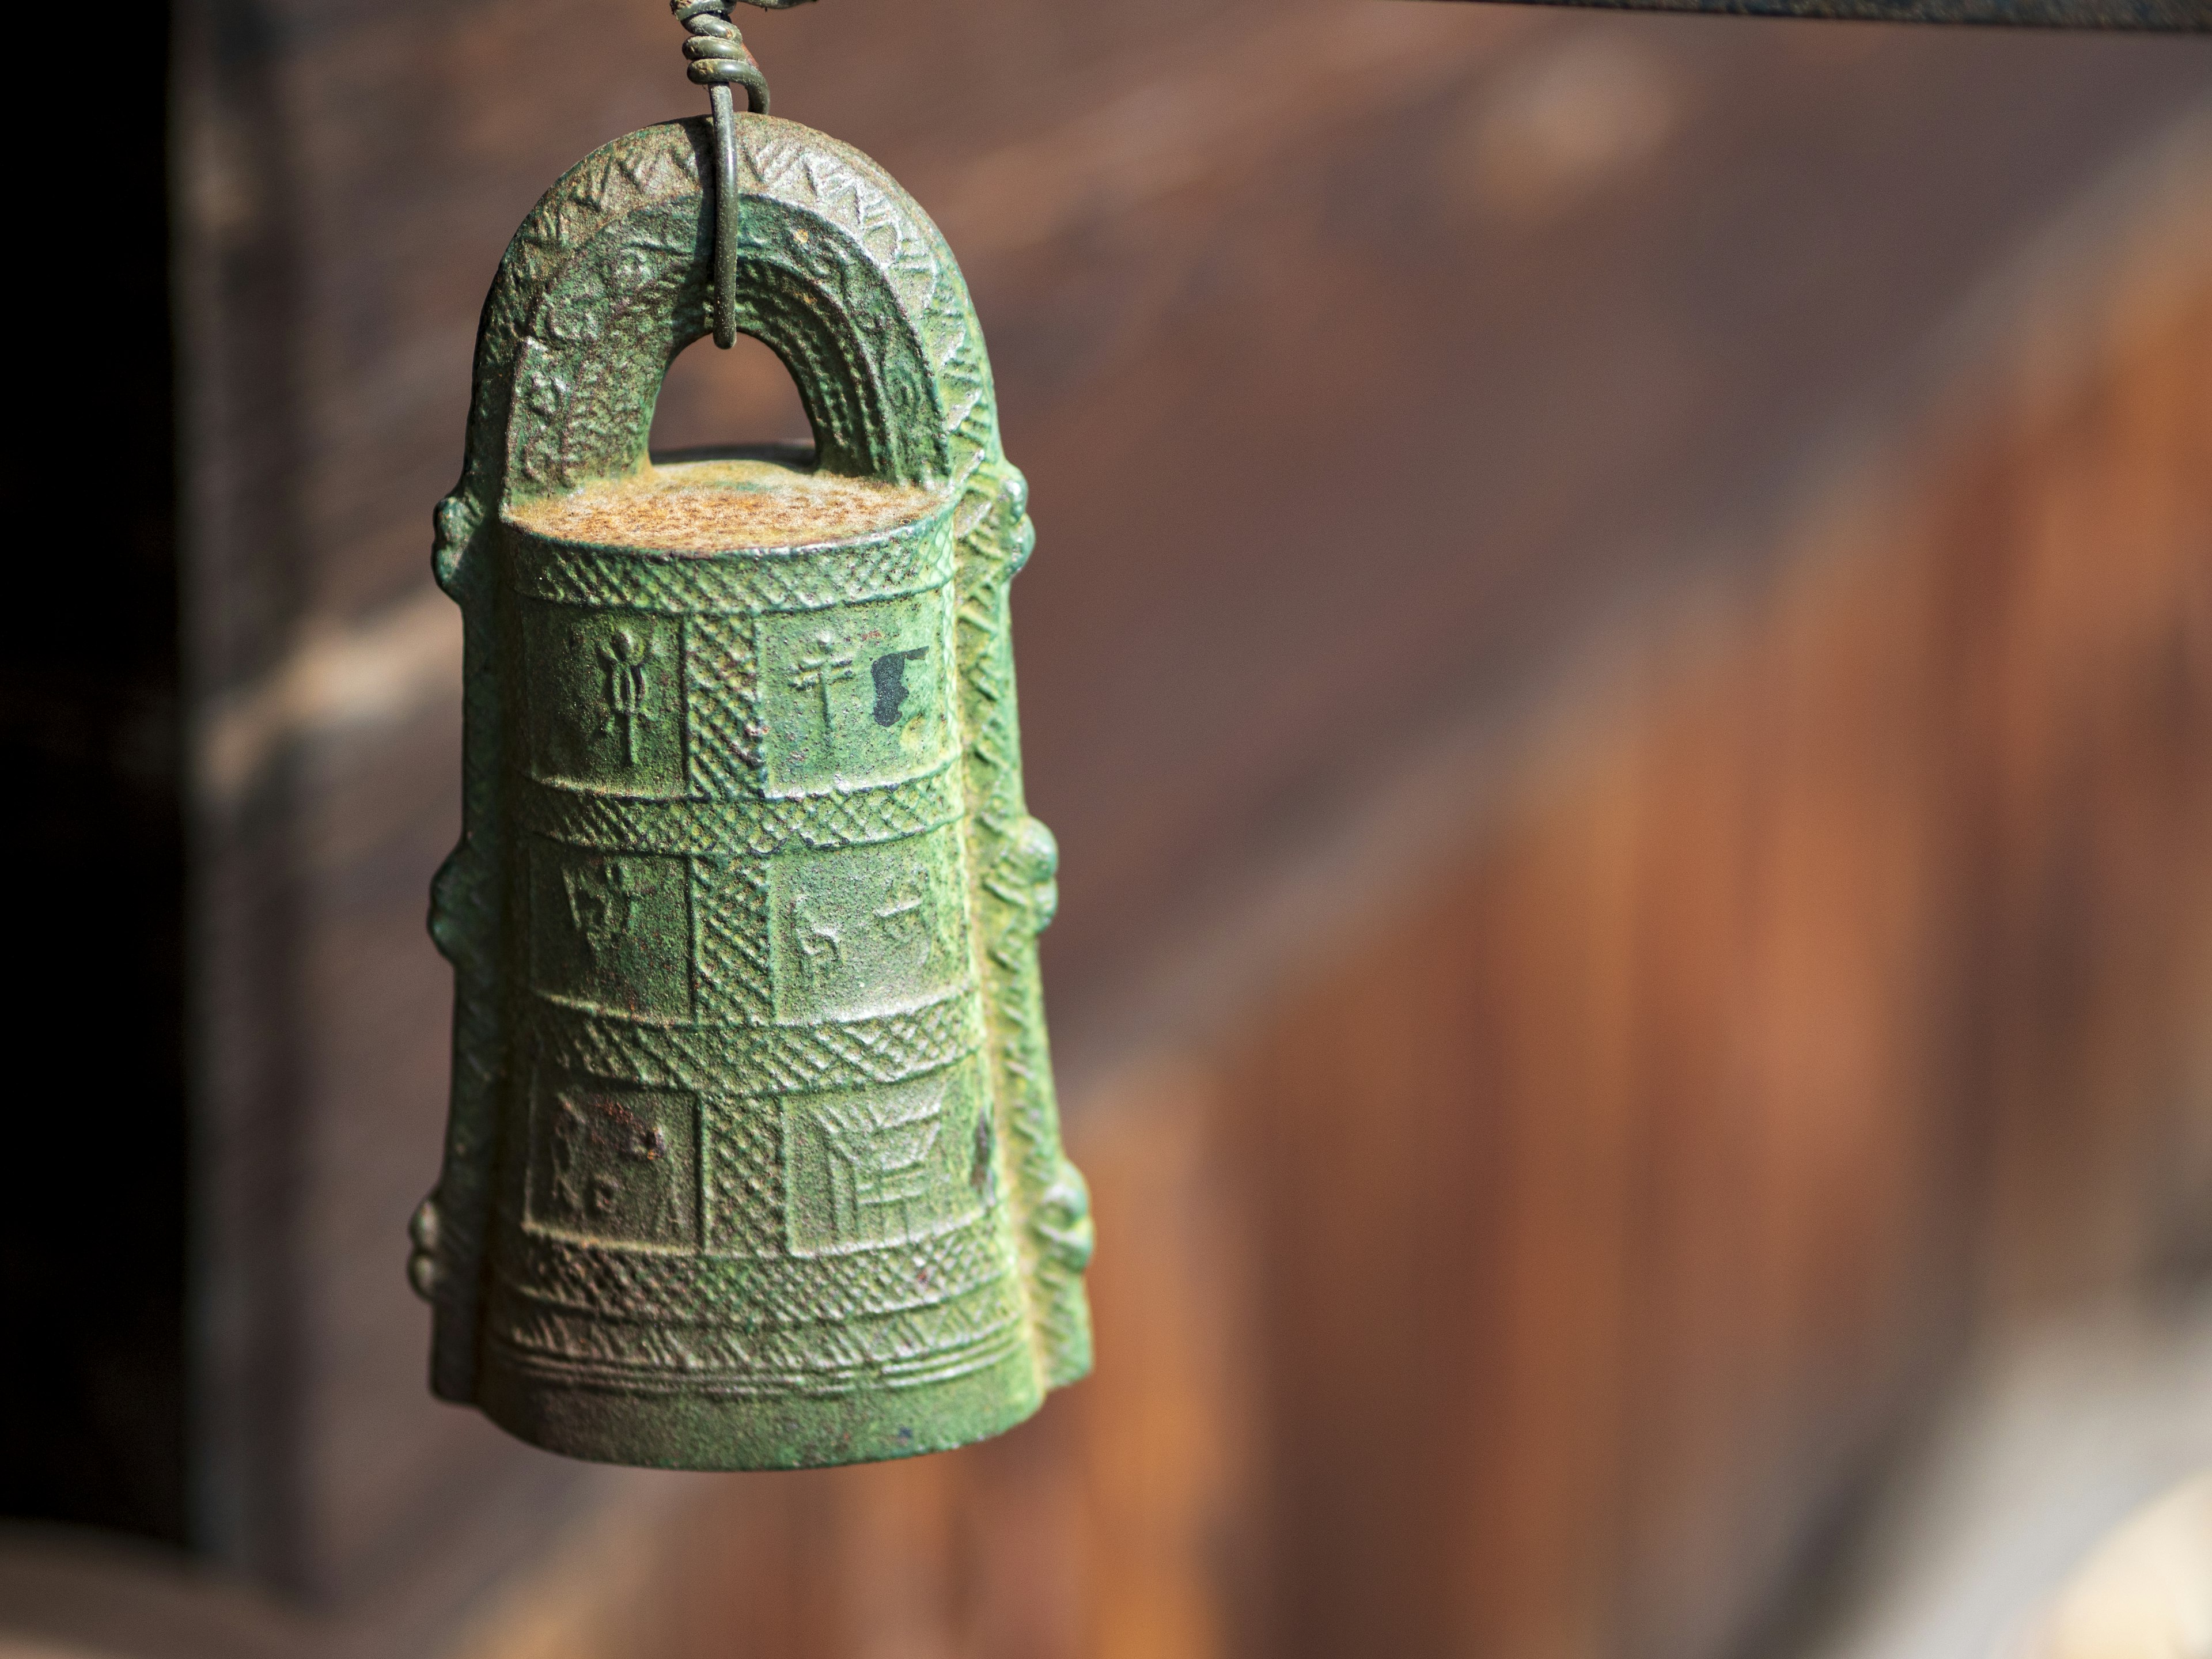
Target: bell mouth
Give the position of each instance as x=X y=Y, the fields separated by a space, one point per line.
x=728 y=501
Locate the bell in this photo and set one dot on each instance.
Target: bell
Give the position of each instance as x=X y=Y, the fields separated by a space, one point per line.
x=753 y=1159
x=2184 y=17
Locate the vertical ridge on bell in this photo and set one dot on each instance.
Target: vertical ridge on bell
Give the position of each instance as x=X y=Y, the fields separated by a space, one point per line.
x=754 y=1158
x=1019 y=861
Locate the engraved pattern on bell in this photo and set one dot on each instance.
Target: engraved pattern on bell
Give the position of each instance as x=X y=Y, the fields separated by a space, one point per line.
x=754 y=1159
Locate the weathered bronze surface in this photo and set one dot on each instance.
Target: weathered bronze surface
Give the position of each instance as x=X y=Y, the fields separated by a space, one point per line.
x=2178 y=15
x=753 y=1159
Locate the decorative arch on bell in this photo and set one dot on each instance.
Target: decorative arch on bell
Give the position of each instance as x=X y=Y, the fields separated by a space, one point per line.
x=610 y=277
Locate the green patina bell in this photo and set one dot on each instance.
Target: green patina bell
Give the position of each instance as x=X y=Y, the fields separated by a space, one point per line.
x=753 y=1159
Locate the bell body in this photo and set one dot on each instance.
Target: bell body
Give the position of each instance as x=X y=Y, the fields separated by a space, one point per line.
x=753 y=1160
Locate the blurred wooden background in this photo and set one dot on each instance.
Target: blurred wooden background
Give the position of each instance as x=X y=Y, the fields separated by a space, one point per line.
x=1621 y=654
x=1539 y=1263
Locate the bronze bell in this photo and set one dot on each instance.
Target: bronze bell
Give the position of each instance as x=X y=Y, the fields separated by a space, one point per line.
x=754 y=1160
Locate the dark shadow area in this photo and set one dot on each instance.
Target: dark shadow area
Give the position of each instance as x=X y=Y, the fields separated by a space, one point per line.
x=92 y=1241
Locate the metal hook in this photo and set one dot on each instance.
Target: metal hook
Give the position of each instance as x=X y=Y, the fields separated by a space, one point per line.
x=718 y=61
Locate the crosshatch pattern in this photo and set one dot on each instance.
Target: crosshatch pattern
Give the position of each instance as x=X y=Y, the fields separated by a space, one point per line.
x=753 y=1008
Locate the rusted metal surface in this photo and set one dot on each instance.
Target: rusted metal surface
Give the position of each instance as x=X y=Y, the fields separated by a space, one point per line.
x=2178 y=15
x=753 y=1160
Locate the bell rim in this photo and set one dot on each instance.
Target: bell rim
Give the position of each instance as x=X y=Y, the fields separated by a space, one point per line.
x=673 y=1427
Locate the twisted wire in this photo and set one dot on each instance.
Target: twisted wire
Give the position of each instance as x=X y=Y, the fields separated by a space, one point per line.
x=717 y=51
x=718 y=61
